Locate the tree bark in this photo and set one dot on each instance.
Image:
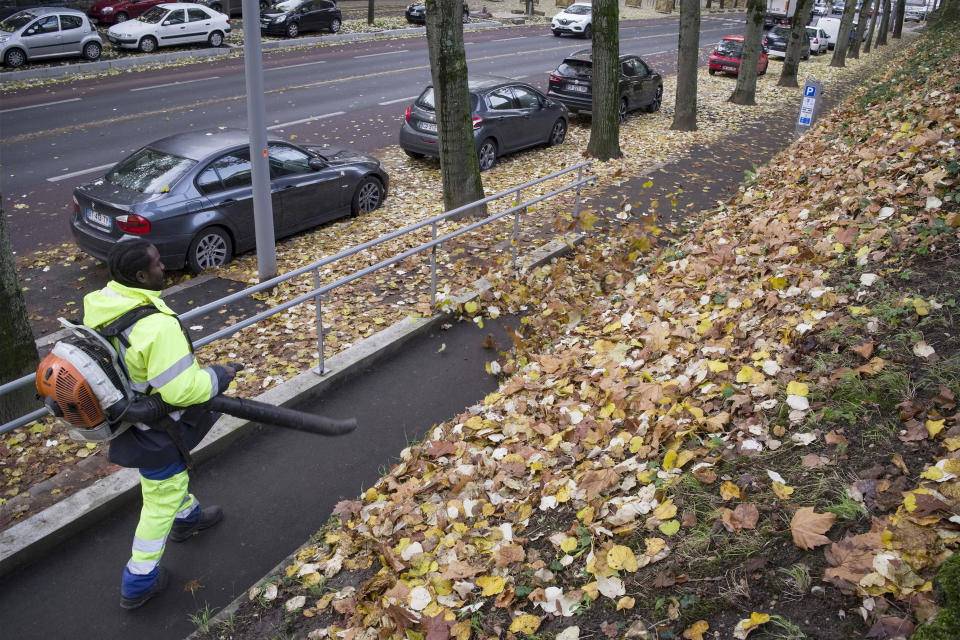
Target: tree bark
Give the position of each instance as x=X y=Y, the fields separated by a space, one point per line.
x=746 y=90
x=605 y=121
x=798 y=40
x=898 y=15
x=884 y=24
x=688 y=53
x=722 y=3
x=459 y=166
x=843 y=36
x=854 y=50
x=18 y=351
x=873 y=26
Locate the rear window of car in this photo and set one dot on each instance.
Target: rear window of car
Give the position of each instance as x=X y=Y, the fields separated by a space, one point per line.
x=781 y=31
x=576 y=68
x=16 y=21
x=811 y=33
x=149 y=171
x=426 y=100
x=730 y=48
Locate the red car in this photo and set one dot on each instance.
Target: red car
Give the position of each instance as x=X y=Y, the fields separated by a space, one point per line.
x=114 y=11
x=726 y=57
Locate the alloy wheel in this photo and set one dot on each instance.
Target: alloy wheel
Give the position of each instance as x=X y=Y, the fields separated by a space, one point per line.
x=559 y=132
x=368 y=198
x=211 y=251
x=487 y=155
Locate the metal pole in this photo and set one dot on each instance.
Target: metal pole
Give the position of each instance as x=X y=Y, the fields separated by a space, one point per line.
x=257 y=127
x=433 y=271
x=321 y=367
x=576 y=202
x=515 y=242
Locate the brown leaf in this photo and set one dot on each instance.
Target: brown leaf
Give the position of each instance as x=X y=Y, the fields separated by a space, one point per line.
x=458 y=570
x=596 y=482
x=705 y=475
x=508 y=554
x=489 y=342
x=835 y=438
x=437 y=628
x=345 y=509
x=745 y=516
x=808 y=528
x=890 y=627
x=865 y=349
x=440 y=448
x=813 y=461
x=193 y=585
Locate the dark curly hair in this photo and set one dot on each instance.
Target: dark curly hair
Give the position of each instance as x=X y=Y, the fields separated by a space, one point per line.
x=128 y=257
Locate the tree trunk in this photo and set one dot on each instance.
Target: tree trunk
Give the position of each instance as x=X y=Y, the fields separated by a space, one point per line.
x=459 y=166
x=843 y=36
x=798 y=40
x=884 y=24
x=605 y=121
x=873 y=26
x=746 y=89
x=18 y=351
x=898 y=15
x=854 y=50
x=708 y=5
x=722 y=3
x=688 y=53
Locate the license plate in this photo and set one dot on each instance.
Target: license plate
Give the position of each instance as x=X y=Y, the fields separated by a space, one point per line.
x=727 y=68
x=98 y=219
x=428 y=126
x=578 y=88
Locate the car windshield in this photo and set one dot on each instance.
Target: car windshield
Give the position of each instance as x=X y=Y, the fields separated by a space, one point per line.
x=153 y=15
x=578 y=10
x=576 y=68
x=730 y=48
x=16 y=21
x=426 y=100
x=149 y=171
x=811 y=33
x=288 y=5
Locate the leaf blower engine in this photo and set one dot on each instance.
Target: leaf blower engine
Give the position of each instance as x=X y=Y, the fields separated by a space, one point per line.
x=84 y=384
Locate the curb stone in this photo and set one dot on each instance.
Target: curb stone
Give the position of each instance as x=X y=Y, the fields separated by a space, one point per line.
x=27 y=540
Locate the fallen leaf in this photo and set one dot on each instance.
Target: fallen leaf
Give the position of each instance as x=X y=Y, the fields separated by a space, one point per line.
x=808 y=527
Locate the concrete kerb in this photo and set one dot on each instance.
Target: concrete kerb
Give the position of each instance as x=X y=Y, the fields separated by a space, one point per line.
x=217 y=52
x=37 y=534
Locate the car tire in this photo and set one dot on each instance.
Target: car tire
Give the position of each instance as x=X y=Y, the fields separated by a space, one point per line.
x=487 y=154
x=622 y=109
x=293 y=30
x=588 y=32
x=711 y=71
x=14 y=58
x=335 y=25
x=91 y=51
x=413 y=154
x=556 y=33
x=215 y=39
x=368 y=196
x=558 y=133
x=211 y=247
x=148 y=44
x=120 y=17
x=654 y=106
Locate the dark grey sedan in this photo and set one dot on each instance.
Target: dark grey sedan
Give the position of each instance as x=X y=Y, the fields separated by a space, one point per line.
x=507 y=116
x=191 y=195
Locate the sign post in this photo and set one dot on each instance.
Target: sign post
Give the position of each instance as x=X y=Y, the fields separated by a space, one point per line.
x=810 y=107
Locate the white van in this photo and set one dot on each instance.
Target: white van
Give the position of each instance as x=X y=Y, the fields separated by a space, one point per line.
x=831 y=27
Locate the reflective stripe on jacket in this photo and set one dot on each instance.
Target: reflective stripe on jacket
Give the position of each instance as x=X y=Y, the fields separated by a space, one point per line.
x=159 y=356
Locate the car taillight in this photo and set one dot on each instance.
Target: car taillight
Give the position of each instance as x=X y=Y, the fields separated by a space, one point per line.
x=406 y=116
x=132 y=223
x=477 y=122
x=555 y=78
x=76 y=206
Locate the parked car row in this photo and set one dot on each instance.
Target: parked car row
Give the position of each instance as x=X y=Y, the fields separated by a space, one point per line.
x=416 y=13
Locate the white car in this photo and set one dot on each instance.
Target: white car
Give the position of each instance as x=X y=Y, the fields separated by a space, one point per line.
x=170 y=24
x=577 y=19
x=819 y=40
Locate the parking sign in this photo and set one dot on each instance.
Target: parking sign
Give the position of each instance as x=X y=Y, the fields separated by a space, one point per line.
x=808 y=106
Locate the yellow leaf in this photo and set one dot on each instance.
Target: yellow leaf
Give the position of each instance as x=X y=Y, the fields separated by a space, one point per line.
x=952 y=444
x=717 y=365
x=910 y=502
x=685 y=457
x=568 y=544
x=749 y=374
x=729 y=490
x=654 y=546
x=648 y=184
x=587 y=219
x=592 y=589
x=935 y=426
x=665 y=510
x=783 y=491
x=756 y=619
x=669 y=527
x=563 y=494
x=704 y=326
x=859 y=311
x=613 y=326
x=696 y=630
x=626 y=602
x=585 y=515
x=471 y=307
x=491 y=585
x=670 y=460
x=797 y=389
x=922 y=306
x=933 y=473
x=621 y=557
x=778 y=282
x=525 y=623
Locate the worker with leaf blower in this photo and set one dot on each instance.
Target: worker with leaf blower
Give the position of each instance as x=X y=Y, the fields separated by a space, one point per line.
x=159 y=359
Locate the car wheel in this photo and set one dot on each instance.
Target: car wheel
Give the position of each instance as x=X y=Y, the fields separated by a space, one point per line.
x=148 y=44
x=121 y=17
x=367 y=197
x=588 y=32
x=558 y=133
x=293 y=30
x=622 y=109
x=654 y=106
x=335 y=25
x=764 y=70
x=91 y=51
x=487 y=154
x=211 y=247
x=712 y=71
x=556 y=33
x=14 y=58
x=215 y=39
x=413 y=154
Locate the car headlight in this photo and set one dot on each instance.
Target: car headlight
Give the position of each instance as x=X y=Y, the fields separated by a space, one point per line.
x=279 y=19
x=107 y=10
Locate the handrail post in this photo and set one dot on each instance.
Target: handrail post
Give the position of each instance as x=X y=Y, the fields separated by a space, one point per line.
x=433 y=270
x=321 y=367
x=576 y=202
x=515 y=242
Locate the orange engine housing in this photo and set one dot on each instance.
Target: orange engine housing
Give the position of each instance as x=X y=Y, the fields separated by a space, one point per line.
x=60 y=380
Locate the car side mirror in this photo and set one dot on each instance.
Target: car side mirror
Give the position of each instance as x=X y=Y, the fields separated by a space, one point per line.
x=316 y=164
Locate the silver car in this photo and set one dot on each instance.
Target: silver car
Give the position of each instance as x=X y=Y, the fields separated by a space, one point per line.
x=47 y=32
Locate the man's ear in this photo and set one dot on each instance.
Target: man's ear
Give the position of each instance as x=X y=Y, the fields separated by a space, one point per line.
x=142 y=276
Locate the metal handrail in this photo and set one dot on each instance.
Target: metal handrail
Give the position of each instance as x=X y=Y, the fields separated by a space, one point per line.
x=320 y=290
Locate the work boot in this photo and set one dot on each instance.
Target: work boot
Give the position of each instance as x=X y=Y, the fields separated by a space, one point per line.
x=209 y=516
x=158 y=586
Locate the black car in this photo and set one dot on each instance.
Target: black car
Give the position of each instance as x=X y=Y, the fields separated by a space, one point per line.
x=291 y=17
x=508 y=115
x=233 y=8
x=417 y=13
x=779 y=38
x=191 y=195
x=572 y=84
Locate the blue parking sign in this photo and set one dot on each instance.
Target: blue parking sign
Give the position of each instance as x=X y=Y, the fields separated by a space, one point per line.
x=809 y=91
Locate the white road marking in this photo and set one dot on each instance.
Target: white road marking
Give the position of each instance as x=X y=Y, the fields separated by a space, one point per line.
x=385 y=53
x=171 y=84
x=383 y=104
x=291 y=66
x=34 y=106
x=518 y=77
x=301 y=121
x=67 y=176
x=505 y=39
